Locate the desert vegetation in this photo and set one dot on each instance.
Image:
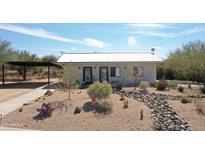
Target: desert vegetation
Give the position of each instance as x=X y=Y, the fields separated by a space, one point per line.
x=161 y=85
x=8 y=53
x=101 y=92
x=143 y=86
x=185 y=63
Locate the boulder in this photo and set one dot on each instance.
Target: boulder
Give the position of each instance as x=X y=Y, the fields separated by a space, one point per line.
x=77 y=110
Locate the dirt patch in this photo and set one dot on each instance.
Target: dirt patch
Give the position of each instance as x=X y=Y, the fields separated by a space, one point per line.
x=190 y=114
x=118 y=119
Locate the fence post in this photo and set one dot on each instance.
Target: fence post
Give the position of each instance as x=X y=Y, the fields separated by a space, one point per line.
x=3 y=80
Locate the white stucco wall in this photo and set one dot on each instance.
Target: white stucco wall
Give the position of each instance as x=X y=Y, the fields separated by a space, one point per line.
x=149 y=71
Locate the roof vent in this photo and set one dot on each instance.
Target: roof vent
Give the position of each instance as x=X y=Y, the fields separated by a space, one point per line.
x=152 y=51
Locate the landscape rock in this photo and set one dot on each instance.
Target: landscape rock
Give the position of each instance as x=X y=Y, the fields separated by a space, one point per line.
x=48 y=93
x=163 y=115
x=77 y=110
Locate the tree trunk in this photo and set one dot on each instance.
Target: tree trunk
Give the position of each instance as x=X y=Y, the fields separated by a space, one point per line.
x=204 y=82
x=135 y=84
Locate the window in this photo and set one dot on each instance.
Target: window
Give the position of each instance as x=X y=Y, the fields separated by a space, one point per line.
x=115 y=71
x=138 y=71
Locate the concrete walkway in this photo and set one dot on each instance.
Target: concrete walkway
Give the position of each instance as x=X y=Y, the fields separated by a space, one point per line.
x=17 y=102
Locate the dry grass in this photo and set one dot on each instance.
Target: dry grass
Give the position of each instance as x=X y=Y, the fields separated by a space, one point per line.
x=200 y=108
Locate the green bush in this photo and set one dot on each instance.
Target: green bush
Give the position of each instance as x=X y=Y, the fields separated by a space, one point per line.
x=143 y=85
x=117 y=85
x=185 y=100
x=181 y=89
x=100 y=90
x=173 y=83
x=161 y=85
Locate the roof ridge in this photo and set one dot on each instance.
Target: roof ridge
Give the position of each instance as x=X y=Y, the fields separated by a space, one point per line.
x=107 y=52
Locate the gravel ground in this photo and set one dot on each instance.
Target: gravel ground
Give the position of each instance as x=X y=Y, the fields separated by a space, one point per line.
x=119 y=119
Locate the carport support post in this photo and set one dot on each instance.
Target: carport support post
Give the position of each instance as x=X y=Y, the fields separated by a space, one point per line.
x=24 y=73
x=3 y=74
x=48 y=74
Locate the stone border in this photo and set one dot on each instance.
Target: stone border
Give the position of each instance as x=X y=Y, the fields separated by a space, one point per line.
x=163 y=115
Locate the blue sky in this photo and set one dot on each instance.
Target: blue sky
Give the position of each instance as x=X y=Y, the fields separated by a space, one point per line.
x=44 y=39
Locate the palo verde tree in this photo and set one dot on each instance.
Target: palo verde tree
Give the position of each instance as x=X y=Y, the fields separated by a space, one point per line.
x=187 y=62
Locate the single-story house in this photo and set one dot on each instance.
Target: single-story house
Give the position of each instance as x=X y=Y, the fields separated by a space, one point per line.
x=123 y=67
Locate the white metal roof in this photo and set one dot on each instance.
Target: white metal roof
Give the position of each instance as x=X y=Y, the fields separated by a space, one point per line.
x=108 y=57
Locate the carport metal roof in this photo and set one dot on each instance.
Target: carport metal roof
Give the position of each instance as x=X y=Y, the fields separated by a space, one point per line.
x=30 y=63
x=33 y=63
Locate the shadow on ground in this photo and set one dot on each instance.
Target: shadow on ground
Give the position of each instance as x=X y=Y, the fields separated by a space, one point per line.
x=23 y=85
x=88 y=106
x=58 y=85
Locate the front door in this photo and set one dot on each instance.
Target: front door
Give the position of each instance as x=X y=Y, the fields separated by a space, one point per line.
x=103 y=73
x=87 y=75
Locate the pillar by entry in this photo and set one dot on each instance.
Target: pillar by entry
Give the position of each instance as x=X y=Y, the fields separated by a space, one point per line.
x=48 y=74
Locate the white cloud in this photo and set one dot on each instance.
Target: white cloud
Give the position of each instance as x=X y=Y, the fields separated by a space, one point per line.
x=131 y=41
x=74 y=48
x=52 y=36
x=152 y=33
x=158 y=47
x=161 y=30
x=192 y=31
x=96 y=43
x=149 y=29
x=149 y=25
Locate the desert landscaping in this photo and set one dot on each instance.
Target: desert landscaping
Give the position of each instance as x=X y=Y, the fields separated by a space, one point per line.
x=144 y=109
x=65 y=119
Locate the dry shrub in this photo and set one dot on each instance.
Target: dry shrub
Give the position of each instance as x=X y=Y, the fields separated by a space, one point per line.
x=103 y=106
x=181 y=89
x=200 y=108
x=125 y=104
x=173 y=83
x=143 y=86
x=60 y=105
x=161 y=85
x=185 y=100
x=117 y=85
x=122 y=97
x=189 y=85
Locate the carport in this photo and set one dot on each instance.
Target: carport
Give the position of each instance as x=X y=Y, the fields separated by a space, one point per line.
x=25 y=64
